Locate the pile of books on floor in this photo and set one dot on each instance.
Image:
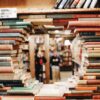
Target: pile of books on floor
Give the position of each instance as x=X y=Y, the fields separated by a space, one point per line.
x=13 y=33
x=88 y=37
x=66 y=4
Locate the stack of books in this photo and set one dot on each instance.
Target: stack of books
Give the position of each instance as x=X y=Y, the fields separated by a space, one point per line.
x=66 y=4
x=13 y=34
x=88 y=57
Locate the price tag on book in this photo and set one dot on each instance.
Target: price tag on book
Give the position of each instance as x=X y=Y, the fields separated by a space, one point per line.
x=8 y=13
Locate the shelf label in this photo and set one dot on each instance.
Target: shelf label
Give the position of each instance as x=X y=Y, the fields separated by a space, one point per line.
x=8 y=13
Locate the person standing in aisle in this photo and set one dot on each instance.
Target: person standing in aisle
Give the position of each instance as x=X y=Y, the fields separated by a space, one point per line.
x=40 y=60
x=55 y=63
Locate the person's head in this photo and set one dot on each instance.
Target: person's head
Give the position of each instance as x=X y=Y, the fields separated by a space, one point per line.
x=55 y=53
x=40 y=53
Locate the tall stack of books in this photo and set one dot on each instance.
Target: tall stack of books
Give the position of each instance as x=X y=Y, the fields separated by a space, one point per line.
x=13 y=33
x=66 y=4
x=88 y=37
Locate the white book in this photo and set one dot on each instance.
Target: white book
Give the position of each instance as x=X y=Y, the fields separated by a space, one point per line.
x=93 y=3
x=81 y=2
x=62 y=4
x=87 y=3
x=89 y=19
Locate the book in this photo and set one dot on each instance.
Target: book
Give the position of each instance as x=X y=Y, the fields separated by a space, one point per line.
x=82 y=34
x=96 y=97
x=18 y=97
x=57 y=4
x=83 y=24
x=80 y=4
x=7 y=42
x=16 y=23
x=68 y=4
x=6 y=76
x=48 y=21
x=59 y=16
x=91 y=77
x=48 y=98
x=60 y=22
x=85 y=88
x=93 y=70
x=9 y=30
x=61 y=5
x=31 y=16
x=93 y=67
x=75 y=2
x=89 y=82
x=93 y=3
x=87 y=31
x=81 y=91
x=89 y=19
x=87 y=3
x=6 y=47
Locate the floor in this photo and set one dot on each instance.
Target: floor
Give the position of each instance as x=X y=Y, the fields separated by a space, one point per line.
x=65 y=74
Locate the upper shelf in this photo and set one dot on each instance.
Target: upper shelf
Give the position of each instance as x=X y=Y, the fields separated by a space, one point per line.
x=57 y=11
x=41 y=7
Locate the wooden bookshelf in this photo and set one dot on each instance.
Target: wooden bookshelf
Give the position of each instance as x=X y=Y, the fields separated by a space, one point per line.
x=58 y=11
x=41 y=7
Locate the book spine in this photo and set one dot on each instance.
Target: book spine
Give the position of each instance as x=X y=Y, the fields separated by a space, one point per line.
x=80 y=4
x=48 y=98
x=87 y=3
x=93 y=70
x=61 y=5
x=74 y=3
x=91 y=77
x=93 y=67
x=68 y=4
x=60 y=16
x=57 y=4
x=93 y=74
x=93 y=3
x=96 y=97
x=85 y=88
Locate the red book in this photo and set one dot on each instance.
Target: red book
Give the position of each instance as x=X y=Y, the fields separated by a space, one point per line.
x=78 y=30
x=85 y=88
x=59 y=22
x=78 y=94
x=86 y=15
x=91 y=43
x=96 y=97
x=93 y=67
x=93 y=82
x=48 y=98
x=76 y=24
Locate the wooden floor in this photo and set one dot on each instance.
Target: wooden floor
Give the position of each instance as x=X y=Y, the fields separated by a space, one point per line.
x=65 y=75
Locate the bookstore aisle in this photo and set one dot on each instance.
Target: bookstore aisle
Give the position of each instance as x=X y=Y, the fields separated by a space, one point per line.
x=42 y=39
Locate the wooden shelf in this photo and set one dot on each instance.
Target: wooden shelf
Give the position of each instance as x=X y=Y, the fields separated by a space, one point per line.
x=58 y=11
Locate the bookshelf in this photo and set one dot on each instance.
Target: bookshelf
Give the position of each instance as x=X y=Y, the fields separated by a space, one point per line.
x=58 y=11
x=33 y=7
